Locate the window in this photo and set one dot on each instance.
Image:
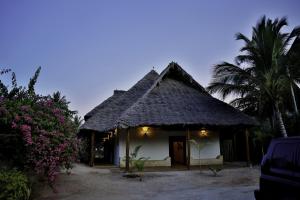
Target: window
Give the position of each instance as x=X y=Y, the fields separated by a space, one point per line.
x=286 y=156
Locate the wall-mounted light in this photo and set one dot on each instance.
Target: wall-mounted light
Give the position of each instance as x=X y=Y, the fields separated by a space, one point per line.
x=145 y=130
x=203 y=132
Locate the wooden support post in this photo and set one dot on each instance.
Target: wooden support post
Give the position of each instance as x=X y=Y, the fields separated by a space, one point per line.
x=234 y=147
x=188 y=160
x=117 y=143
x=92 y=158
x=127 y=149
x=247 y=147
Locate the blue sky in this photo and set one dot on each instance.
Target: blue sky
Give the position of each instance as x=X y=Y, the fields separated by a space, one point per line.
x=89 y=48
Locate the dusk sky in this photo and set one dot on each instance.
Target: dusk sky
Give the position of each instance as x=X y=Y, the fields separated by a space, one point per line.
x=89 y=48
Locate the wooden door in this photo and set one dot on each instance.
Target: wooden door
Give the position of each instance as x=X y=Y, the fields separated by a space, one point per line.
x=177 y=145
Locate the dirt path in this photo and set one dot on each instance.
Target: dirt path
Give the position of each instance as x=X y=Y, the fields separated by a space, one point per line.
x=90 y=183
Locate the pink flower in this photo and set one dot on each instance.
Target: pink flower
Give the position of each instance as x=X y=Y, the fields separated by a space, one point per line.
x=56 y=111
x=13 y=125
x=61 y=119
x=26 y=131
x=17 y=118
x=28 y=119
x=25 y=108
x=49 y=103
x=25 y=128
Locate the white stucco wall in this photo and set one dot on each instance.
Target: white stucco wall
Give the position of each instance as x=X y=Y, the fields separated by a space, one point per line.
x=156 y=144
x=210 y=145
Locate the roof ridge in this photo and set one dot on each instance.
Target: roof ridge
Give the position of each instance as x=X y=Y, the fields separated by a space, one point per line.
x=164 y=73
x=148 y=74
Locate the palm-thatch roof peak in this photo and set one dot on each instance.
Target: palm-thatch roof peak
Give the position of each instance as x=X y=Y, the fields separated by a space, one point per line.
x=176 y=71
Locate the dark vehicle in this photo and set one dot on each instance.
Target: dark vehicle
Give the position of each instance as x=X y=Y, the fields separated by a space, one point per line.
x=280 y=170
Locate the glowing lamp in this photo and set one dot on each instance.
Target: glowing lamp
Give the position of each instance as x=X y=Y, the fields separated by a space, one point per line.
x=203 y=133
x=145 y=130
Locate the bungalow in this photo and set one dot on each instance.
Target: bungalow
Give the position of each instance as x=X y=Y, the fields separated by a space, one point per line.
x=163 y=113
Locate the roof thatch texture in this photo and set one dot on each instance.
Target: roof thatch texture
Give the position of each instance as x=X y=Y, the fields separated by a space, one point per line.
x=105 y=116
x=105 y=104
x=171 y=98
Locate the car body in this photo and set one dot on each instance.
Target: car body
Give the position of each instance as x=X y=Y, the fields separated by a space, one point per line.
x=280 y=170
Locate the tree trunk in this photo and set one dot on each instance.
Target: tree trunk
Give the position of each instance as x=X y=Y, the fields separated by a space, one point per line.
x=280 y=121
x=271 y=120
x=292 y=92
x=294 y=100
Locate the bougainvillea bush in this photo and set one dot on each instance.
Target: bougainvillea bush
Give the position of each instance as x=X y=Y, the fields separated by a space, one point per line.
x=45 y=125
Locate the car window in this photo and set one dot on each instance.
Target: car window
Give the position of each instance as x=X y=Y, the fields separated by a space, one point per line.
x=285 y=156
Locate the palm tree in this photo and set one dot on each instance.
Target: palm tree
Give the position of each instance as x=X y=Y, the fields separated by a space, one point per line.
x=293 y=69
x=259 y=77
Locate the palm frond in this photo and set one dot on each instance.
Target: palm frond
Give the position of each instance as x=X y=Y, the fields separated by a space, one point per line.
x=33 y=80
x=240 y=36
x=14 y=80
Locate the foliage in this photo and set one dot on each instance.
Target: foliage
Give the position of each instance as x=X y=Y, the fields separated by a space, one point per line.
x=139 y=164
x=133 y=155
x=215 y=170
x=133 y=158
x=136 y=162
x=293 y=124
x=259 y=79
x=261 y=138
x=84 y=150
x=44 y=124
x=199 y=145
x=14 y=185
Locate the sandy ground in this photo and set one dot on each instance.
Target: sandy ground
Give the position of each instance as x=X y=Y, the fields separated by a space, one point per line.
x=109 y=184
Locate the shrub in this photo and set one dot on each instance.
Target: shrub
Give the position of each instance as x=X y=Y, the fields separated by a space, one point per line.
x=45 y=125
x=14 y=185
x=136 y=163
x=140 y=164
x=84 y=150
x=215 y=169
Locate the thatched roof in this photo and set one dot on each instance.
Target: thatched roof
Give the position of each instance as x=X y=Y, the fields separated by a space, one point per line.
x=105 y=104
x=105 y=116
x=171 y=98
